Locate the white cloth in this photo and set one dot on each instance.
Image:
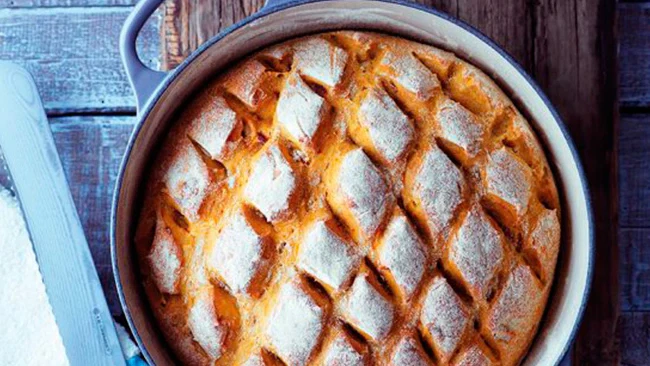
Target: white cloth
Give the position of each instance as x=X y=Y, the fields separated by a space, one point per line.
x=28 y=331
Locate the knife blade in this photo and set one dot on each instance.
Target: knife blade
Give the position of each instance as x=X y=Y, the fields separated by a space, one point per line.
x=62 y=252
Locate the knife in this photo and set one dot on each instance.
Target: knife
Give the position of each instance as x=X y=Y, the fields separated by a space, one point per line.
x=65 y=262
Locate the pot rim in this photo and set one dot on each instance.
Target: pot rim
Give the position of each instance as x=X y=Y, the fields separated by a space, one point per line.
x=281 y=6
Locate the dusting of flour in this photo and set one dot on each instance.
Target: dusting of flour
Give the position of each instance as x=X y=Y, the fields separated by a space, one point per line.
x=28 y=331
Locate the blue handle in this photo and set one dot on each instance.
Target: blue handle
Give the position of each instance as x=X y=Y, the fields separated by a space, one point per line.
x=144 y=80
x=274 y=3
x=136 y=361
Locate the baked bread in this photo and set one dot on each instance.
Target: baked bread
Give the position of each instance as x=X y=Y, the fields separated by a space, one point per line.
x=349 y=198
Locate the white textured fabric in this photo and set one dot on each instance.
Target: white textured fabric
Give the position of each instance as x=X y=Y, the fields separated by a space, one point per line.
x=28 y=331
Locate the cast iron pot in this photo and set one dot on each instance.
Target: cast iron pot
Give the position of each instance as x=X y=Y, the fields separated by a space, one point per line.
x=160 y=94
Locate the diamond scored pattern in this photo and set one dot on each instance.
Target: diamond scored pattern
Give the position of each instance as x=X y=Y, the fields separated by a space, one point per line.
x=341 y=352
x=237 y=254
x=365 y=308
x=271 y=185
x=409 y=353
x=326 y=256
x=443 y=318
x=476 y=251
x=377 y=267
x=300 y=111
x=295 y=324
x=402 y=254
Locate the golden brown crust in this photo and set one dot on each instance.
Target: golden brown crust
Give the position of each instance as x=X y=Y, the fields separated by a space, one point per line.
x=386 y=191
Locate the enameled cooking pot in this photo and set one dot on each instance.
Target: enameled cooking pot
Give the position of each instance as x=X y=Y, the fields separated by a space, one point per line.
x=160 y=94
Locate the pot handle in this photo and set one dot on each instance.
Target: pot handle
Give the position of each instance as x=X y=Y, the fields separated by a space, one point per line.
x=144 y=80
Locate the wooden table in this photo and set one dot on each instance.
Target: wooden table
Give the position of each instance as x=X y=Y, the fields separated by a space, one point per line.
x=568 y=46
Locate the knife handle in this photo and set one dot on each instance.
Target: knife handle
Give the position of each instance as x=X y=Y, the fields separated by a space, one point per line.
x=70 y=278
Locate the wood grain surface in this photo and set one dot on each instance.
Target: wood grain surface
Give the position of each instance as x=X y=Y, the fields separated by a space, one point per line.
x=91 y=149
x=634 y=170
x=575 y=63
x=635 y=54
x=634 y=335
x=73 y=54
x=635 y=269
x=188 y=24
x=62 y=3
x=569 y=46
x=634 y=192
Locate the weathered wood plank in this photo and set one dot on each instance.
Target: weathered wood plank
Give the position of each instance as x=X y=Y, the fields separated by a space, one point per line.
x=634 y=334
x=73 y=55
x=575 y=63
x=62 y=3
x=489 y=18
x=635 y=269
x=91 y=150
x=508 y=23
x=448 y=6
x=189 y=23
x=634 y=170
x=505 y=24
x=635 y=54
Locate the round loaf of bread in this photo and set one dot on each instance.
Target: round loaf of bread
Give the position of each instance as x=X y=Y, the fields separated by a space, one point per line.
x=349 y=198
